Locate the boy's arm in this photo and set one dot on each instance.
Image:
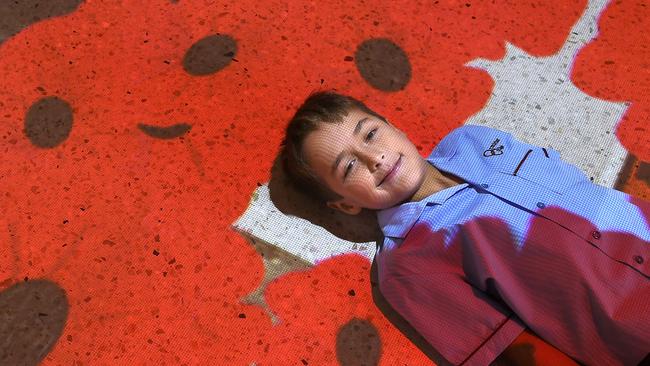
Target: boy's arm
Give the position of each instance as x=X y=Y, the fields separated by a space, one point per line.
x=529 y=350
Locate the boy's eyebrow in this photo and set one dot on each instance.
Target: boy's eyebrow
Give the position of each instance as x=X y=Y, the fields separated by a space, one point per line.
x=356 y=132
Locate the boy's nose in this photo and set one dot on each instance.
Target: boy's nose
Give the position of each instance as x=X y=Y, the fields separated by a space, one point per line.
x=380 y=161
x=372 y=157
x=376 y=160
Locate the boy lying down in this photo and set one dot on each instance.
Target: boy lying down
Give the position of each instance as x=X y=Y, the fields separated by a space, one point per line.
x=487 y=239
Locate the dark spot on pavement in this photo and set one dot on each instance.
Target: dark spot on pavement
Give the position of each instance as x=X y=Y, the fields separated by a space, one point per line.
x=358 y=344
x=48 y=122
x=169 y=132
x=209 y=55
x=383 y=64
x=32 y=317
x=17 y=15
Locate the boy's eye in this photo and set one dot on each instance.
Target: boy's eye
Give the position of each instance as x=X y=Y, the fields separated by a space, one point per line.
x=371 y=133
x=347 y=170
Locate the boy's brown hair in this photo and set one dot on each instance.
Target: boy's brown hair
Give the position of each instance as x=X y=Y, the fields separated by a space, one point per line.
x=320 y=107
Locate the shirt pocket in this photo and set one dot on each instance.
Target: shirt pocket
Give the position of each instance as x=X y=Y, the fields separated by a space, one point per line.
x=544 y=167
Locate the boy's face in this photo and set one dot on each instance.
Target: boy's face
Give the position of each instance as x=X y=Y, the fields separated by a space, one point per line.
x=368 y=156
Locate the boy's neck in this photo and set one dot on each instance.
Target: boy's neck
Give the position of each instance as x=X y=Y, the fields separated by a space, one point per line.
x=434 y=180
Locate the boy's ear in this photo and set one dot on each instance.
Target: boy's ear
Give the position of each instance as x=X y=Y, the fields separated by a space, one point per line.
x=340 y=205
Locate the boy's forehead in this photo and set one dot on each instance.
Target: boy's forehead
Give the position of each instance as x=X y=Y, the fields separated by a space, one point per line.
x=337 y=134
x=352 y=120
x=332 y=137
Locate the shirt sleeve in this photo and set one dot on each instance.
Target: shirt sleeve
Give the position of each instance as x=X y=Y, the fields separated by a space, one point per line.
x=465 y=325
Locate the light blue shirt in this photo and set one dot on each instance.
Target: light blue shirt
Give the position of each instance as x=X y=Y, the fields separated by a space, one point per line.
x=589 y=241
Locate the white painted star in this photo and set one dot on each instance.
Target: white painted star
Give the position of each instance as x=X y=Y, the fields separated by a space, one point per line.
x=535 y=100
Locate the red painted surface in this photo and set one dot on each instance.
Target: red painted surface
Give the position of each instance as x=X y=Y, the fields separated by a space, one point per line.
x=615 y=67
x=128 y=194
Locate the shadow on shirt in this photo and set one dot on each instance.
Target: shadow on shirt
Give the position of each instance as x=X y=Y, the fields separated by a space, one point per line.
x=360 y=228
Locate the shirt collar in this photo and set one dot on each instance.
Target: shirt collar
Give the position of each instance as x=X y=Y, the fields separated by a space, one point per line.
x=397 y=221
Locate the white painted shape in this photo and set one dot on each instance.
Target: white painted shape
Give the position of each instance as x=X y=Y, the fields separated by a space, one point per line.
x=534 y=99
x=297 y=236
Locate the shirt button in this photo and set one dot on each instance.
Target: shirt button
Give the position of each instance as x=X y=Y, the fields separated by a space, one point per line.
x=484 y=185
x=595 y=234
x=638 y=259
x=541 y=204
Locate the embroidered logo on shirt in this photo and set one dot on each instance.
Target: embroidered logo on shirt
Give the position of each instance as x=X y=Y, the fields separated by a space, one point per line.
x=493 y=150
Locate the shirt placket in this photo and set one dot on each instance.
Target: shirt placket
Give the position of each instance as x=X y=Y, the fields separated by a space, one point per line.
x=632 y=251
